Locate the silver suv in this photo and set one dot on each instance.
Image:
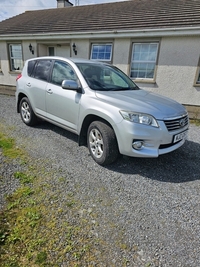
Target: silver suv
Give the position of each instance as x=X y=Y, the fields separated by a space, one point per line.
x=102 y=105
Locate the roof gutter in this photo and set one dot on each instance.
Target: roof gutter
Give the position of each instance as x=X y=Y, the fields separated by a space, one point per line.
x=162 y=32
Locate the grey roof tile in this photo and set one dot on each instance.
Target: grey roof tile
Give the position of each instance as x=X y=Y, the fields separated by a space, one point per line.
x=132 y=14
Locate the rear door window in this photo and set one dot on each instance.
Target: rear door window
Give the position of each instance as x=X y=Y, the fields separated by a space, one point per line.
x=42 y=70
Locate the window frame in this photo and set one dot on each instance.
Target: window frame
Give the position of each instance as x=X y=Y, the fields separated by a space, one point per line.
x=145 y=79
x=197 y=76
x=101 y=44
x=13 y=58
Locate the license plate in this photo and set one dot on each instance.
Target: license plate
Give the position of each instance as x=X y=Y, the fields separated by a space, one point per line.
x=180 y=136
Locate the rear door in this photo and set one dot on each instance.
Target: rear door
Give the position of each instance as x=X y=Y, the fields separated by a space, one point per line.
x=37 y=84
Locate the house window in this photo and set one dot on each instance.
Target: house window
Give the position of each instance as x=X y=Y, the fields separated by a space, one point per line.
x=101 y=52
x=198 y=78
x=143 y=63
x=15 y=57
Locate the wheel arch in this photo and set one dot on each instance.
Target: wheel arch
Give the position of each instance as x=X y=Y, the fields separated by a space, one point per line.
x=20 y=96
x=82 y=140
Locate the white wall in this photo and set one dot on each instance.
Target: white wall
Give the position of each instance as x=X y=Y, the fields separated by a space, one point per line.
x=177 y=64
x=83 y=48
x=25 y=49
x=6 y=76
x=121 y=54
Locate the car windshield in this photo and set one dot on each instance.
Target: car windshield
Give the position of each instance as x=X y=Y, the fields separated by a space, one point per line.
x=104 y=77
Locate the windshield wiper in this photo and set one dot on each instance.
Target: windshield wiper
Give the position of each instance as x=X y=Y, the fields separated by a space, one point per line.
x=121 y=89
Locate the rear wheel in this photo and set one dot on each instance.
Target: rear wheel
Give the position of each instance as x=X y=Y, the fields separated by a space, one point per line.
x=26 y=112
x=102 y=143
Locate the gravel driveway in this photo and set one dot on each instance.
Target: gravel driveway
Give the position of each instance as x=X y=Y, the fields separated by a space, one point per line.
x=148 y=210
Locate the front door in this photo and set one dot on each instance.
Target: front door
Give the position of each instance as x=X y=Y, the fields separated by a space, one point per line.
x=62 y=105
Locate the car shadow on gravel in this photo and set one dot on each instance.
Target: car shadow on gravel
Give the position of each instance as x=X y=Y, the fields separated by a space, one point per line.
x=178 y=166
x=44 y=125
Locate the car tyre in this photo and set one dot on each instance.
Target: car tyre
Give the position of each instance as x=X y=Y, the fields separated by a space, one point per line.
x=26 y=112
x=102 y=143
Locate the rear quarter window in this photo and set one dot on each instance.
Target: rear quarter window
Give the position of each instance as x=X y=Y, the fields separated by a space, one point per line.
x=31 y=65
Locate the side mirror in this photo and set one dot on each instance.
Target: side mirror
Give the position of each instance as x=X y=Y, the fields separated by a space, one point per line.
x=71 y=85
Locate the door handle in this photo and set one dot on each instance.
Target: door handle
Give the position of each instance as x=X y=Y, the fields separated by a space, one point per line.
x=49 y=91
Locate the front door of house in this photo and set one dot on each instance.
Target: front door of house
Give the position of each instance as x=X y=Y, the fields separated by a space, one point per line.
x=60 y=51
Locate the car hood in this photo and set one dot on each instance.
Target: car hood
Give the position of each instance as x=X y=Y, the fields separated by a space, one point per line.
x=143 y=101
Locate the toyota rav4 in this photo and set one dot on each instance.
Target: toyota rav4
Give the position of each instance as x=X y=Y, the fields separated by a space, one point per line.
x=102 y=105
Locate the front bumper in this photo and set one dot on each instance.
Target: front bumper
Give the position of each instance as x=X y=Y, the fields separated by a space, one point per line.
x=156 y=141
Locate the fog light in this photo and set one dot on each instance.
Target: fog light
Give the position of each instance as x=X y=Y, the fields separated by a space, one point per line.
x=138 y=144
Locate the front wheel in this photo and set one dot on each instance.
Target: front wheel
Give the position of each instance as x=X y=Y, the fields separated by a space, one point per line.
x=102 y=143
x=26 y=112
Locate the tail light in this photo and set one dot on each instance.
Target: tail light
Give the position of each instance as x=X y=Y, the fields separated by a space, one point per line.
x=19 y=76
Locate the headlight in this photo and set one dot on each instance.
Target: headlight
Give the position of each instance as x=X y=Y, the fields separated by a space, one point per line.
x=139 y=118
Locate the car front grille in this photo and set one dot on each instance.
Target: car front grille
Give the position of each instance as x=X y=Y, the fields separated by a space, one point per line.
x=177 y=123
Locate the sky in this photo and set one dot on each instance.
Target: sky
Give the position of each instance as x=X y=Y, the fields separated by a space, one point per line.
x=10 y=8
